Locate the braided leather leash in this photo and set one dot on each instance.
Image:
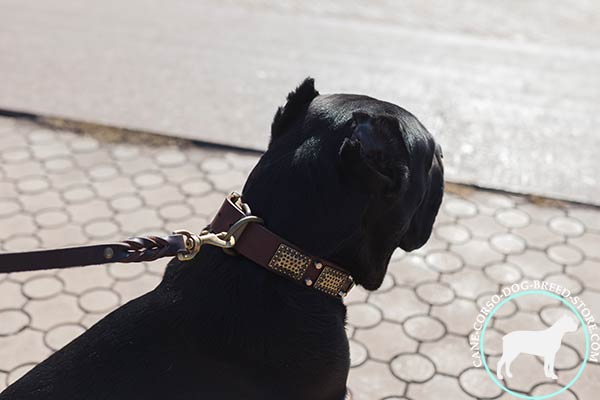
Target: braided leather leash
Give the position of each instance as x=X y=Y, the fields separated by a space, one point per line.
x=136 y=249
x=239 y=232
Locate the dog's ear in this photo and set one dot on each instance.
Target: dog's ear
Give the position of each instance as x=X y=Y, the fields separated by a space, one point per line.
x=360 y=173
x=296 y=105
x=422 y=220
x=363 y=157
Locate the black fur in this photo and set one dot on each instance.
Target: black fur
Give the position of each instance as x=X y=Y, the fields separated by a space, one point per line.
x=346 y=177
x=297 y=103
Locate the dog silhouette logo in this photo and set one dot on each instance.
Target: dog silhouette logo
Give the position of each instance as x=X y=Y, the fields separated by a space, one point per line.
x=544 y=343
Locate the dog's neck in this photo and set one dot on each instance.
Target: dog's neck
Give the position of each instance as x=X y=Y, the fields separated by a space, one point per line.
x=558 y=328
x=234 y=295
x=236 y=280
x=318 y=225
x=274 y=253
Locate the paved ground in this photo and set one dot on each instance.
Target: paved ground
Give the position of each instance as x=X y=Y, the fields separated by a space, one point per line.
x=407 y=339
x=510 y=88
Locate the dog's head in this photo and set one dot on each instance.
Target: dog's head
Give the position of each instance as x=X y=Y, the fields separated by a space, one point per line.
x=568 y=324
x=348 y=178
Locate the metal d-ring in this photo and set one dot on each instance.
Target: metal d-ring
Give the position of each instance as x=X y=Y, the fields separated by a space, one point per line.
x=235 y=197
x=238 y=227
x=236 y=230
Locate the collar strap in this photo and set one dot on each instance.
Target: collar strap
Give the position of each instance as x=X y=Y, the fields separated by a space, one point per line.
x=277 y=255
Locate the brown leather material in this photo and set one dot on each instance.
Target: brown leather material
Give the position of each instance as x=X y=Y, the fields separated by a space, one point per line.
x=255 y=242
x=131 y=250
x=271 y=251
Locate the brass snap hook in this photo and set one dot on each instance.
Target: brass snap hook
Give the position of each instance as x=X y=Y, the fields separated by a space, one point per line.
x=225 y=240
x=194 y=242
x=192 y=245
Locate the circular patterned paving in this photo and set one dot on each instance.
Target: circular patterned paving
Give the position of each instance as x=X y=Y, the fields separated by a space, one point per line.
x=171 y=158
x=22 y=243
x=57 y=337
x=40 y=136
x=98 y=300
x=15 y=155
x=566 y=281
x=77 y=194
x=126 y=271
x=175 y=212
x=32 y=184
x=567 y=226
x=478 y=384
x=358 y=353
x=435 y=293
x=42 y=287
x=196 y=186
x=452 y=233
x=128 y=202
x=508 y=243
x=103 y=172
x=101 y=228
x=12 y=321
x=512 y=218
x=424 y=328
x=8 y=207
x=493 y=342
x=460 y=208
x=18 y=372
x=565 y=254
x=444 y=261
x=215 y=165
x=125 y=151
x=387 y=284
x=547 y=388
x=412 y=367
x=51 y=218
x=58 y=165
x=504 y=273
x=362 y=315
x=567 y=358
x=148 y=179
x=506 y=311
x=84 y=144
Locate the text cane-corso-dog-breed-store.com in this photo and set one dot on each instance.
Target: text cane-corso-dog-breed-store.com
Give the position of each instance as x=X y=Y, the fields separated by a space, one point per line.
x=346 y=180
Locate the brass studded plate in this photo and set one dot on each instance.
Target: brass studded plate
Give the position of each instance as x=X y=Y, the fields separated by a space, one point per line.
x=330 y=281
x=289 y=261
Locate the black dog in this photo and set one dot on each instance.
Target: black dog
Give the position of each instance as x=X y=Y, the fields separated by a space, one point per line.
x=346 y=177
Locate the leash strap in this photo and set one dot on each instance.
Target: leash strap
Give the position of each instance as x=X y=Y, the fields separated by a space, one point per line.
x=136 y=249
x=238 y=233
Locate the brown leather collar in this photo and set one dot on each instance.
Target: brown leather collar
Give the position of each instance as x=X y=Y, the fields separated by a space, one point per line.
x=277 y=255
x=232 y=228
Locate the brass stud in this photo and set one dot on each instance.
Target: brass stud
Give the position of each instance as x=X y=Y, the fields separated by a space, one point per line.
x=108 y=253
x=318 y=265
x=308 y=282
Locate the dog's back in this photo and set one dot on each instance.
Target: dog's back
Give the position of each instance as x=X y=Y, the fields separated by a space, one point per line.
x=538 y=343
x=177 y=342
